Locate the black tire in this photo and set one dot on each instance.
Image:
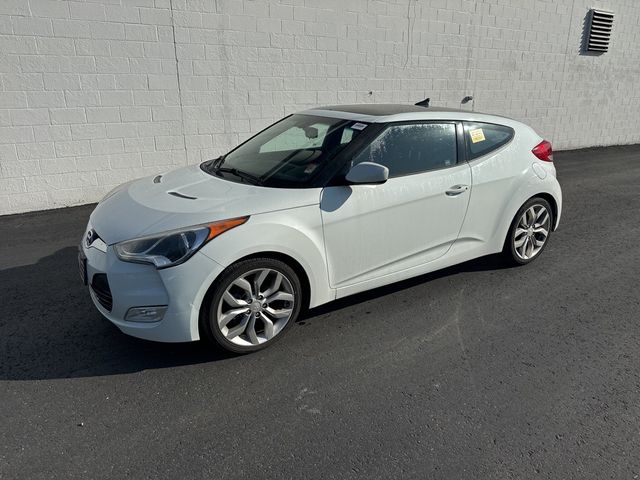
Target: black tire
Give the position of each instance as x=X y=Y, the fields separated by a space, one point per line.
x=209 y=326
x=509 y=250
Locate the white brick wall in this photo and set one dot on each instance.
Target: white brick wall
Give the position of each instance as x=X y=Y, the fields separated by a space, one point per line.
x=94 y=93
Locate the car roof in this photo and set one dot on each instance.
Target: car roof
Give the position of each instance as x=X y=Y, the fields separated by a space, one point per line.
x=384 y=109
x=397 y=112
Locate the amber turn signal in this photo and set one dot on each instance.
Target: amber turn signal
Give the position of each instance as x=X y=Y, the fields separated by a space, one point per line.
x=222 y=226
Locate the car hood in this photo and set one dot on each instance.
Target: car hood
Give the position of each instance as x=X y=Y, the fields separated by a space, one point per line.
x=184 y=197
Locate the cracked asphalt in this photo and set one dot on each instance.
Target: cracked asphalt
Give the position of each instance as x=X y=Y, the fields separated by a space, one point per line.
x=477 y=371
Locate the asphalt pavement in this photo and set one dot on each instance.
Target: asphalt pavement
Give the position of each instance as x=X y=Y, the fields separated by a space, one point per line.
x=479 y=371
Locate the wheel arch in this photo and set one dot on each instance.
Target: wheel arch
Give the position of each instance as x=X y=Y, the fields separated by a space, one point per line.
x=544 y=195
x=554 y=206
x=294 y=264
x=503 y=233
x=283 y=257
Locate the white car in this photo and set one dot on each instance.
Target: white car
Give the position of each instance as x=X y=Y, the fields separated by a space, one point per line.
x=320 y=205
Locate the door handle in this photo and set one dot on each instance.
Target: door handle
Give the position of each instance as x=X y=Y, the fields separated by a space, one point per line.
x=457 y=190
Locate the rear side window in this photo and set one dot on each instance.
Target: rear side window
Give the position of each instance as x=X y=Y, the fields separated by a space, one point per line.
x=482 y=138
x=412 y=148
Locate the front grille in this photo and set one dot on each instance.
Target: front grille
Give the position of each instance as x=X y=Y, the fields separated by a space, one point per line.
x=100 y=287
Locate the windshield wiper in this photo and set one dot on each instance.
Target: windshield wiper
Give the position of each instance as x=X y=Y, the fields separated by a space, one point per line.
x=215 y=167
x=239 y=173
x=210 y=166
x=215 y=164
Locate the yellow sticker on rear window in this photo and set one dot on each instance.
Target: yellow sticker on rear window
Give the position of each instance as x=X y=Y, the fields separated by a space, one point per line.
x=477 y=135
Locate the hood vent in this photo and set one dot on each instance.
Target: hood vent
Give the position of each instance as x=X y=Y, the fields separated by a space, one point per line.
x=600 y=24
x=180 y=195
x=157 y=179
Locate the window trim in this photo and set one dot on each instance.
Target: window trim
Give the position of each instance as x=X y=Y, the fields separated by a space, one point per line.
x=460 y=155
x=490 y=152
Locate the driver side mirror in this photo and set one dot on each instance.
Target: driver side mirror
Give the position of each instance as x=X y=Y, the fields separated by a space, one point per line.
x=367 y=173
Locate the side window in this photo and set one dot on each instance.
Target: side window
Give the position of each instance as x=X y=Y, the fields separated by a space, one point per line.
x=412 y=148
x=482 y=138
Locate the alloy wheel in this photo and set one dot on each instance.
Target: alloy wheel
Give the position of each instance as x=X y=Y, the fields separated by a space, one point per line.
x=255 y=307
x=532 y=232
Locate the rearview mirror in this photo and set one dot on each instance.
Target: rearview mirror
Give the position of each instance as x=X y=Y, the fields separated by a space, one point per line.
x=368 y=173
x=310 y=132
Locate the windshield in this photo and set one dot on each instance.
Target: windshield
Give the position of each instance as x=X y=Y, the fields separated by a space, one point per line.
x=291 y=153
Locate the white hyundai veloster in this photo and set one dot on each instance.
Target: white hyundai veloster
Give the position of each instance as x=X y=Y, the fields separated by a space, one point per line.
x=320 y=205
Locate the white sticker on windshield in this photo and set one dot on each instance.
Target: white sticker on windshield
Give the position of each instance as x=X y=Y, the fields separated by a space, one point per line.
x=358 y=126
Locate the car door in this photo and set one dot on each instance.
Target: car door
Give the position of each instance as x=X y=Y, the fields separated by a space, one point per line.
x=411 y=219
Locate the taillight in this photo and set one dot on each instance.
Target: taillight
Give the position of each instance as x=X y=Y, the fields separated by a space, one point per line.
x=543 y=151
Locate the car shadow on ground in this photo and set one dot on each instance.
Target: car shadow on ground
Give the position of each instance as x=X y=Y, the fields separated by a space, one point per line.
x=50 y=329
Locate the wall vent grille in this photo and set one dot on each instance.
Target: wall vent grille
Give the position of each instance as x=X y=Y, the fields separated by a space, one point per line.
x=600 y=25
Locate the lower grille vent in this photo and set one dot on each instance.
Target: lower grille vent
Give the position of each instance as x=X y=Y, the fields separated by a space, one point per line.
x=100 y=287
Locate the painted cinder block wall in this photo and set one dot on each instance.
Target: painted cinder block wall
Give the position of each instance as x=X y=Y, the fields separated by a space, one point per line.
x=94 y=93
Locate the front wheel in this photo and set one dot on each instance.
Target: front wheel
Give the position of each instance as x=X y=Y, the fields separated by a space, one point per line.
x=529 y=232
x=253 y=303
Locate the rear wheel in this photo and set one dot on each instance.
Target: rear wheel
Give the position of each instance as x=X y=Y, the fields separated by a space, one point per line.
x=529 y=231
x=254 y=302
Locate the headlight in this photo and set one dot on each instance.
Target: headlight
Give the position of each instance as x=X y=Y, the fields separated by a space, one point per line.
x=172 y=248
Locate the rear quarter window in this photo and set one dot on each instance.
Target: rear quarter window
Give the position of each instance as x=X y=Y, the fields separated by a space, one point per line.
x=483 y=138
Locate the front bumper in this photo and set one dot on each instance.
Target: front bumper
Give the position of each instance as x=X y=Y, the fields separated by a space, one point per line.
x=129 y=285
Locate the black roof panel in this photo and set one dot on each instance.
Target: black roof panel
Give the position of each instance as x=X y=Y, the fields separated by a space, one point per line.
x=384 y=109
